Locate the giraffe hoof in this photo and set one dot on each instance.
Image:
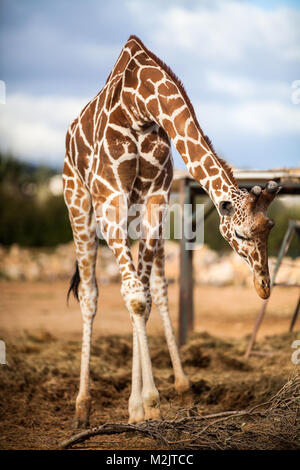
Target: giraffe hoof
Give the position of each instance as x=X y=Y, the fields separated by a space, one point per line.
x=151 y=406
x=136 y=410
x=152 y=413
x=83 y=408
x=136 y=413
x=78 y=423
x=182 y=385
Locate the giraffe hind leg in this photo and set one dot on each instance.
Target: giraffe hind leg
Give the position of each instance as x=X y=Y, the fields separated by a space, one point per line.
x=159 y=292
x=83 y=283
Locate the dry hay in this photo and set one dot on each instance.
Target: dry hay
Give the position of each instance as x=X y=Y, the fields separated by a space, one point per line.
x=39 y=385
x=271 y=425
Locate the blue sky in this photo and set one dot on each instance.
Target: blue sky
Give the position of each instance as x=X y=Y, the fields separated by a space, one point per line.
x=237 y=60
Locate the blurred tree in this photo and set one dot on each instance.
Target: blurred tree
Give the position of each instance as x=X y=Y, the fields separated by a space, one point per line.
x=28 y=219
x=282 y=213
x=24 y=218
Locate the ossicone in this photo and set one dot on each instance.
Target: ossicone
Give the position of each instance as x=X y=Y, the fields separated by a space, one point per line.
x=260 y=199
x=272 y=187
x=256 y=191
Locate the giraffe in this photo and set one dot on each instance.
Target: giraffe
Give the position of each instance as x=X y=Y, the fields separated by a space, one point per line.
x=118 y=154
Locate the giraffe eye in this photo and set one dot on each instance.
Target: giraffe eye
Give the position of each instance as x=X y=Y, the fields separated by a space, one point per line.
x=241 y=237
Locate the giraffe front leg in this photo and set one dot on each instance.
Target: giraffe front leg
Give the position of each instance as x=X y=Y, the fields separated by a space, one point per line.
x=141 y=394
x=144 y=399
x=135 y=405
x=150 y=393
x=112 y=221
x=153 y=218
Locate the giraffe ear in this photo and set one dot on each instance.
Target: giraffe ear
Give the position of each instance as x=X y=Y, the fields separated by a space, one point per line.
x=226 y=208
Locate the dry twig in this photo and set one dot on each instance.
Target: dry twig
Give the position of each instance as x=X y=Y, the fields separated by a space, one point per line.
x=271 y=425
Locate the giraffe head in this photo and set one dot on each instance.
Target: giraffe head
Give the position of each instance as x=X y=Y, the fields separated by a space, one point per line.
x=246 y=227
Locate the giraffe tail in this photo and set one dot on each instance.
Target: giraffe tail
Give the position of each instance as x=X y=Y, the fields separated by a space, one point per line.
x=74 y=284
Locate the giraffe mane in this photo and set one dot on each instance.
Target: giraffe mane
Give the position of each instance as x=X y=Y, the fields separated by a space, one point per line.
x=178 y=82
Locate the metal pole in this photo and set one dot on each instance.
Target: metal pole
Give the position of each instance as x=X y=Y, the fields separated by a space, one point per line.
x=258 y=322
x=284 y=248
x=186 y=313
x=295 y=315
x=190 y=277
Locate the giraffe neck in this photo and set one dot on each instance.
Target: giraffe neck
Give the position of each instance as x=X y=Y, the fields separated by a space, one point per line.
x=152 y=92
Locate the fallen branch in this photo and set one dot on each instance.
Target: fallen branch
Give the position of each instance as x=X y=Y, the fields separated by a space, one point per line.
x=113 y=428
x=271 y=425
x=148 y=428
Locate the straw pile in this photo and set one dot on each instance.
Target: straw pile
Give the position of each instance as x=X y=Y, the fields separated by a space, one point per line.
x=268 y=426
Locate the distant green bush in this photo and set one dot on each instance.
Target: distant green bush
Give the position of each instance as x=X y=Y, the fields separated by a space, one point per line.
x=27 y=223
x=25 y=219
x=30 y=220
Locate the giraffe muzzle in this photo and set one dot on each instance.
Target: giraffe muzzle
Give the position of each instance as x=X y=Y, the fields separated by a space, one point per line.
x=262 y=285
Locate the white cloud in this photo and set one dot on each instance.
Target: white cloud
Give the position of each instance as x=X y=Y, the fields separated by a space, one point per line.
x=244 y=87
x=250 y=118
x=237 y=58
x=269 y=118
x=34 y=127
x=227 y=31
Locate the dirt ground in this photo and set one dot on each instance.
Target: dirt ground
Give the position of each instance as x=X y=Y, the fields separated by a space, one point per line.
x=38 y=385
